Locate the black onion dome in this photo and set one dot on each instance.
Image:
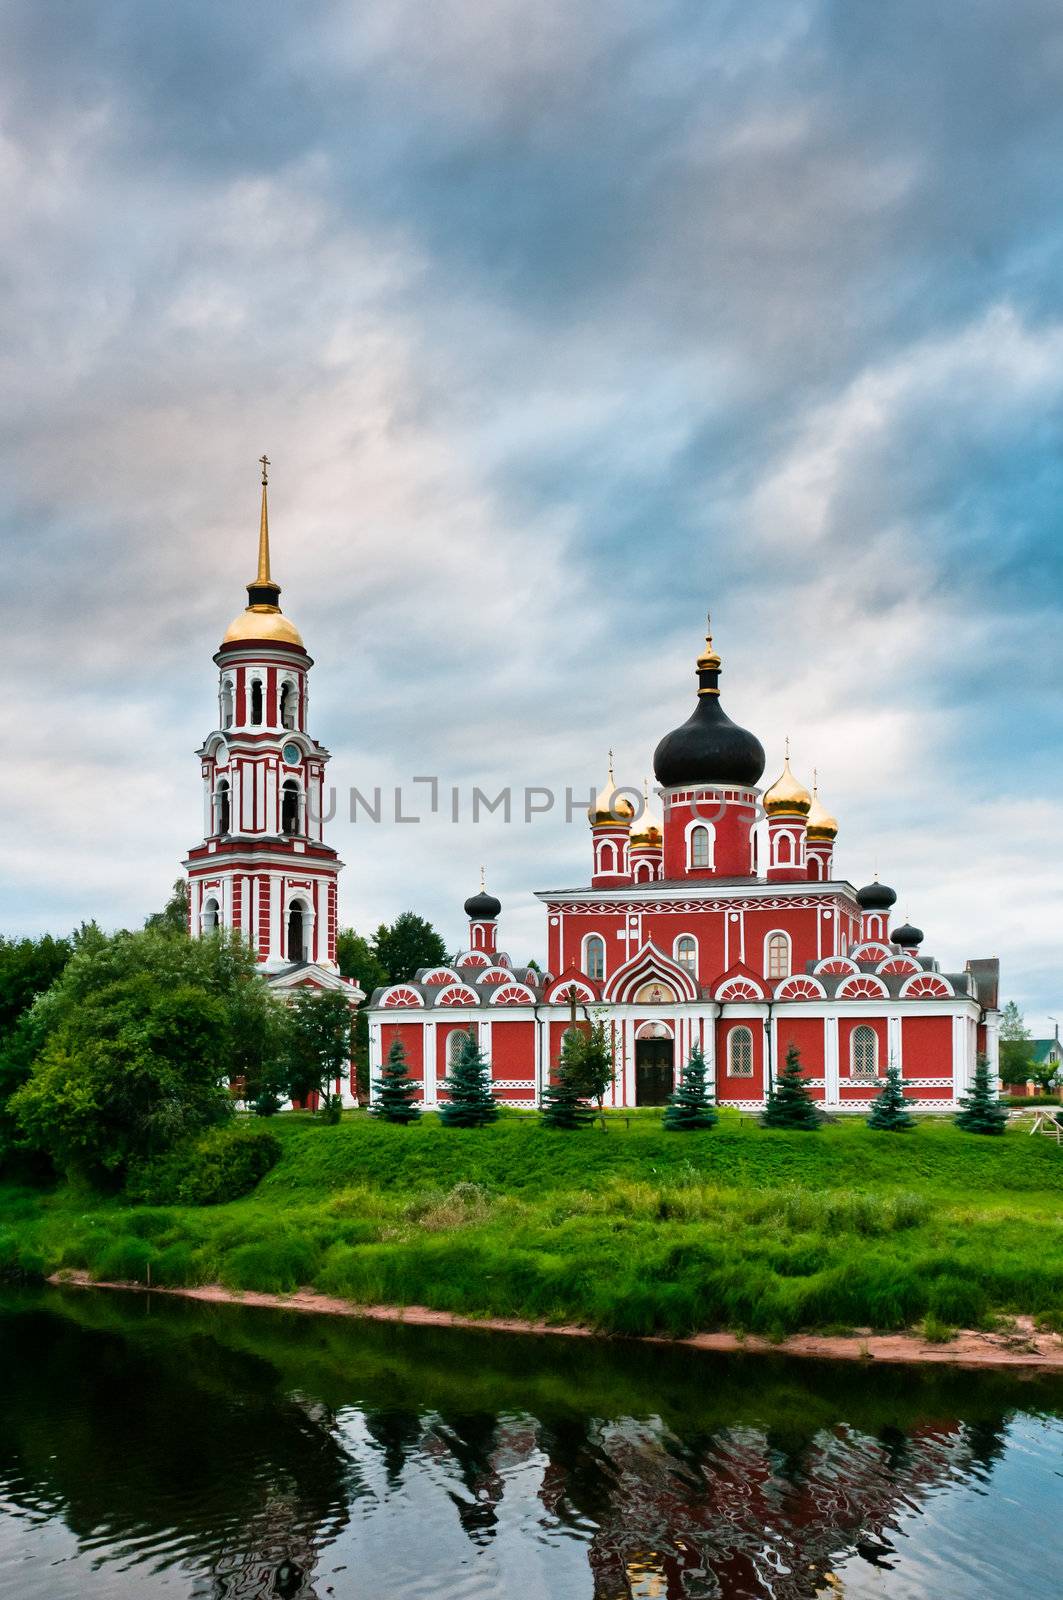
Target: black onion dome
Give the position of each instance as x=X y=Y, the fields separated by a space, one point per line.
x=876 y=896
x=482 y=907
x=907 y=936
x=709 y=747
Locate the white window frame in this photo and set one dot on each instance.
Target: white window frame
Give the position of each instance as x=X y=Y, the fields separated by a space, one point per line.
x=596 y=977
x=862 y=1075
x=733 y=1034
x=692 y=970
x=710 y=833
x=778 y=933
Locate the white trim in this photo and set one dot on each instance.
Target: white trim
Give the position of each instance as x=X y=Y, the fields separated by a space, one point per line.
x=778 y=933
x=688 y=840
x=693 y=971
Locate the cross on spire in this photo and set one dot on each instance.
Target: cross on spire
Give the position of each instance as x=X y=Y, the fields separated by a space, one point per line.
x=264 y=463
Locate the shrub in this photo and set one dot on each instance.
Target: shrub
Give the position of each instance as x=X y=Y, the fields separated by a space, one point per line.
x=125 y=1260
x=222 y=1165
x=274 y=1266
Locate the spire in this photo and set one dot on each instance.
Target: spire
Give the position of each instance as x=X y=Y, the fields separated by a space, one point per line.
x=708 y=667
x=263 y=526
x=263 y=594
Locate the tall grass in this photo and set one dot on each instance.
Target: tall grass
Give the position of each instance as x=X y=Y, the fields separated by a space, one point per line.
x=630 y=1232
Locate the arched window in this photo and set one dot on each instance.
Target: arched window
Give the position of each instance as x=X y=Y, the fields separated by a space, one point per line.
x=815 y=867
x=784 y=849
x=290 y=806
x=455 y=1045
x=287 y=705
x=210 y=915
x=607 y=856
x=227 y=703
x=256 y=703
x=297 y=921
x=740 y=1053
x=221 y=806
x=777 y=956
x=594 y=957
x=686 y=953
x=864 y=1053
x=700 y=847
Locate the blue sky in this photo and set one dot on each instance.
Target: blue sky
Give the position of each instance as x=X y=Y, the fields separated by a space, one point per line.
x=560 y=324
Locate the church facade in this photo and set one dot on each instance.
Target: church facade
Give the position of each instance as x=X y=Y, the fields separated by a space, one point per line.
x=720 y=924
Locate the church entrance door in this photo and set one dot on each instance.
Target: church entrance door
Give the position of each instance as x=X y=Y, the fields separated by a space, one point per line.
x=654 y=1071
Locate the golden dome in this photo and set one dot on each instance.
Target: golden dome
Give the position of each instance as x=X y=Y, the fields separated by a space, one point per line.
x=263 y=622
x=786 y=795
x=647 y=831
x=263 y=618
x=820 y=824
x=607 y=807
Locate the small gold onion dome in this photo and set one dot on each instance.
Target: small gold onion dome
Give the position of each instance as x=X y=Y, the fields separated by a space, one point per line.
x=786 y=795
x=608 y=807
x=647 y=831
x=263 y=618
x=709 y=659
x=820 y=824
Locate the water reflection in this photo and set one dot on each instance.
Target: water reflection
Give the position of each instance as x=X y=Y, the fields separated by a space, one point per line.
x=236 y=1455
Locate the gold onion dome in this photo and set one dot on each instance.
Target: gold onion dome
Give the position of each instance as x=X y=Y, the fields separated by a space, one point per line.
x=786 y=795
x=609 y=807
x=820 y=824
x=647 y=830
x=263 y=618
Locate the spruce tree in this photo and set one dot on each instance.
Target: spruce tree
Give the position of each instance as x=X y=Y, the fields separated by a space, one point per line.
x=889 y=1110
x=471 y=1102
x=564 y=1103
x=982 y=1111
x=395 y=1091
x=790 y=1103
x=690 y=1106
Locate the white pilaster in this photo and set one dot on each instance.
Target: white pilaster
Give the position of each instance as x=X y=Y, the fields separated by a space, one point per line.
x=831 y=1065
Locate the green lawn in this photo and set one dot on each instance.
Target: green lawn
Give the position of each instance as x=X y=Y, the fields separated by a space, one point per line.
x=631 y=1231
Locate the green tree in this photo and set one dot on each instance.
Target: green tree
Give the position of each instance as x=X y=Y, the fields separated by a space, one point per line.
x=358 y=960
x=395 y=1091
x=889 y=1109
x=690 y=1106
x=564 y=1103
x=790 y=1103
x=131 y=1048
x=982 y=1112
x=27 y=968
x=173 y=918
x=408 y=944
x=1016 y=1047
x=471 y=1102
x=319 y=1046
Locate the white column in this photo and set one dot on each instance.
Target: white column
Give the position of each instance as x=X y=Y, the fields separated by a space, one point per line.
x=893 y=1042
x=959 y=1058
x=428 y=1063
x=709 y=1048
x=992 y=1040
x=629 y=1061
x=832 y=1089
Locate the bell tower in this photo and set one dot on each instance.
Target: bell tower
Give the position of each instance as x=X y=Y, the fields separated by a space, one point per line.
x=263 y=866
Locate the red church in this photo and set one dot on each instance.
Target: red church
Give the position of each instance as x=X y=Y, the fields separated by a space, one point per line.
x=720 y=924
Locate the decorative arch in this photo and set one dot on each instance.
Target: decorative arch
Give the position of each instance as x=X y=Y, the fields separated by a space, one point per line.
x=400 y=996
x=559 y=989
x=440 y=975
x=210 y=916
x=497 y=975
x=863 y=987
x=700 y=838
x=472 y=958
x=800 y=987
x=836 y=967
x=459 y=994
x=927 y=986
x=607 y=862
x=287 y=703
x=654 y=1030
x=739 y=989
x=648 y=965
x=870 y=950
x=898 y=967
x=513 y=994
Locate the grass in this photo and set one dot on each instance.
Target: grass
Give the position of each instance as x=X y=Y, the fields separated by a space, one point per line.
x=631 y=1231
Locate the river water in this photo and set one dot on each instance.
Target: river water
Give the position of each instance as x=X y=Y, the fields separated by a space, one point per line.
x=157 y=1447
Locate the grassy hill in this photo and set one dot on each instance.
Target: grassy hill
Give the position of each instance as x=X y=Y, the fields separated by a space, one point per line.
x=631 y=1231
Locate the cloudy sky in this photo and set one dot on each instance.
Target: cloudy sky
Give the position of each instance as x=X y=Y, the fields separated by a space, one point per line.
x=561 y=323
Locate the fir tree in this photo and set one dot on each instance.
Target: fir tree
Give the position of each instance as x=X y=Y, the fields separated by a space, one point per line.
x=690 y=1107
x=471 y=1102
x=790 y=1103
x=564 y=1103
x=982 y=1111
x=889 y=1109
x=395 y=1091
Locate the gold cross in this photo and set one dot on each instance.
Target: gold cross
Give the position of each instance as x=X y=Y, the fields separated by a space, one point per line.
x=264 y=462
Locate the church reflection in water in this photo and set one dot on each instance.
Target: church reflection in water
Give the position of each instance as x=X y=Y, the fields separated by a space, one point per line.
x=274 y=1456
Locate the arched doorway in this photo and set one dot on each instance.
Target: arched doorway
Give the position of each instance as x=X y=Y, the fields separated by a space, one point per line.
x=654 y=1064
